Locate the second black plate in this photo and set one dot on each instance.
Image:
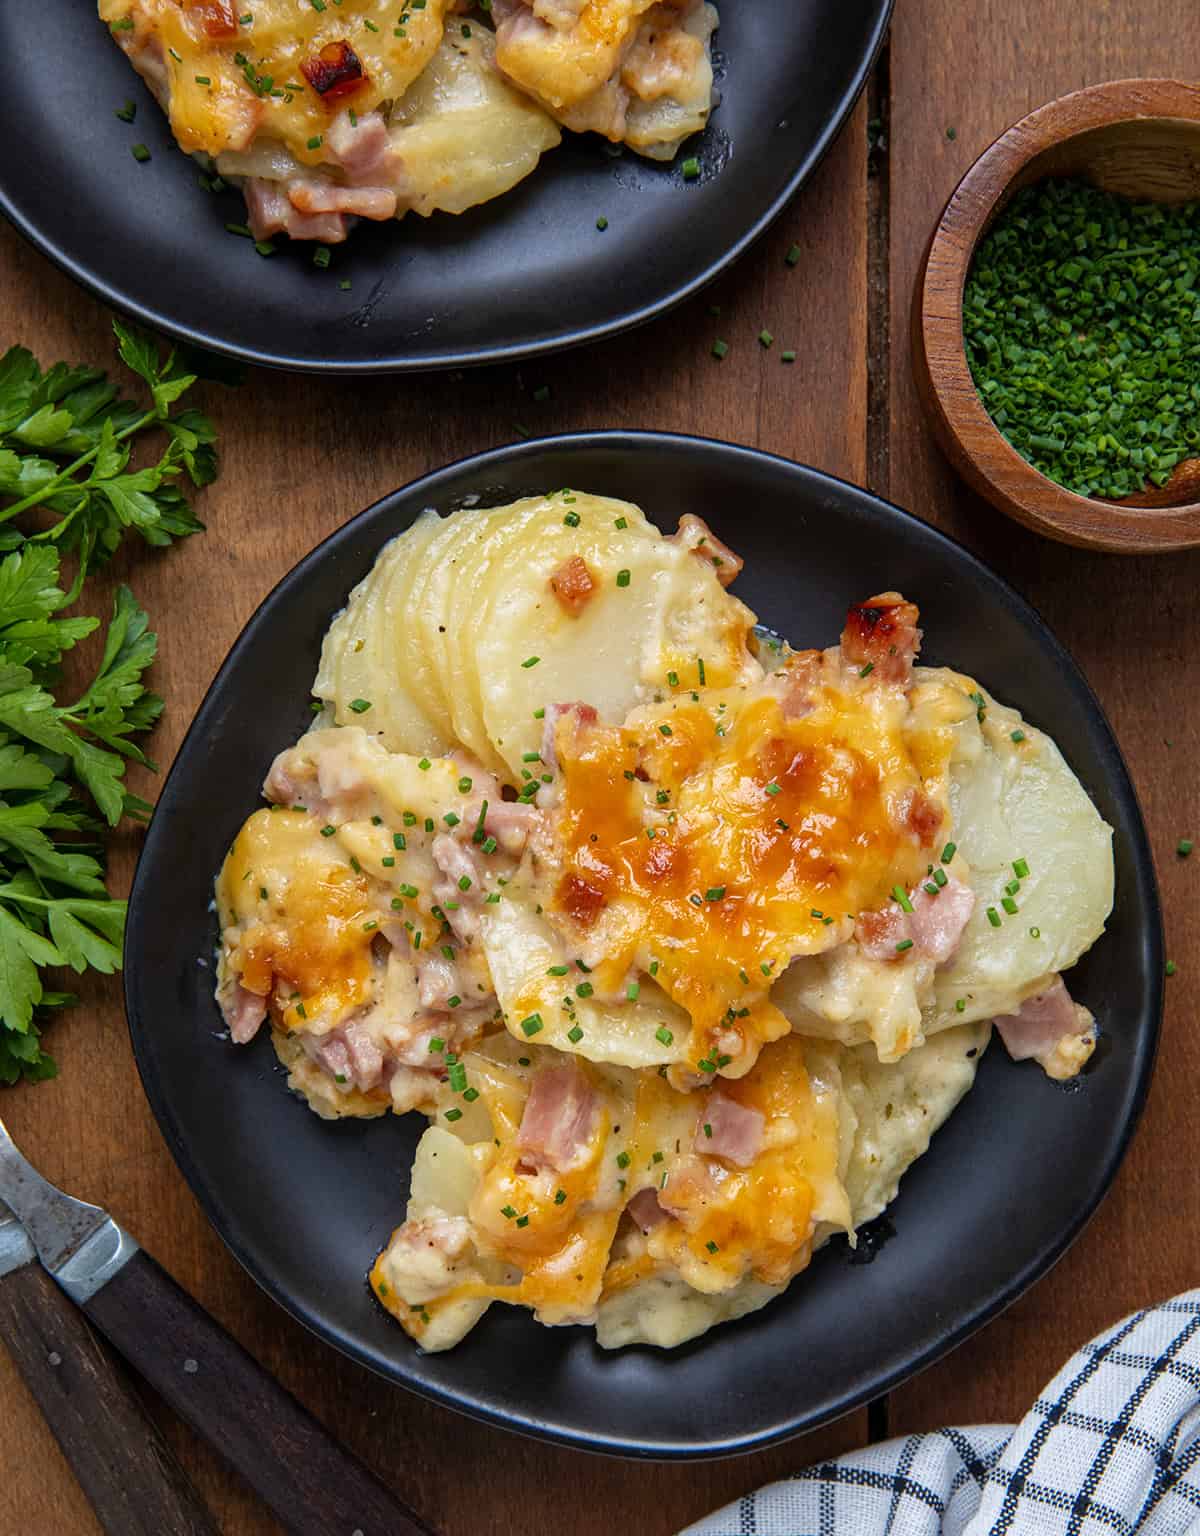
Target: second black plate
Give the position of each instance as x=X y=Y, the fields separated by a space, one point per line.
x=526 y=273
x=305 y=1205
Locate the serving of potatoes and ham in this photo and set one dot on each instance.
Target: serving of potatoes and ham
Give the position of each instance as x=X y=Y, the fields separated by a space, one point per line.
x=685 y=942
x=325 y=114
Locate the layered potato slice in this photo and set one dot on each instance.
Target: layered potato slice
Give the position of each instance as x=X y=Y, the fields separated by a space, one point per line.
x=484 y=645
x=361 y=658
x=462 y=135
x=1022 y=833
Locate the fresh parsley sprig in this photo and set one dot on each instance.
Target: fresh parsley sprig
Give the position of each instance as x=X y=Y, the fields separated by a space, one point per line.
x=65 y=443
x=65 y=440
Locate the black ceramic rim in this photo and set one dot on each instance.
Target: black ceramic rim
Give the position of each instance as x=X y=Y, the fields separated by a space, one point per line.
x=429 y=490
x=77 y=267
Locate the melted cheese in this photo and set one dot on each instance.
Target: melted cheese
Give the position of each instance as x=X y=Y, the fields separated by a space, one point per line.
x=299 y=912
x=545 y=1240
x=225 y=90
x=763 y=828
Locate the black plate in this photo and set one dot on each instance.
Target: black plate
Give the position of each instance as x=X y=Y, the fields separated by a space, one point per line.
x=524 y=274
x=305 y=1205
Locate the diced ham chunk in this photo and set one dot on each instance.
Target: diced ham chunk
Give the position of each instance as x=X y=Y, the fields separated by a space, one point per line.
x=937 y=922
x=216 y=18
x=269 y=212
x=796 y=683
x=878 y=933
x=509 y=821
x=365 y=1057
x=695 y=534
x=882 y=635
x=931 y=931
x=1051 y=1028
x=581 y=715
x=362 y=146
x=457 y=862
x=335 y=72
x=729 y=1130
x=560 y=1114
x=437 y=980
x=572 y=584
x=646 y=1211
x=317 y=196
x=243 y=1012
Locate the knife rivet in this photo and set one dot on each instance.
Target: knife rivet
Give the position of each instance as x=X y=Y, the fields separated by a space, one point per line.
x=54 y=1357
x=191 y=1366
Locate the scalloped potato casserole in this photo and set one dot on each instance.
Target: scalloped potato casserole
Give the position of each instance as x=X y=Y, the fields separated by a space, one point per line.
x=328 y=111
x=684 y=942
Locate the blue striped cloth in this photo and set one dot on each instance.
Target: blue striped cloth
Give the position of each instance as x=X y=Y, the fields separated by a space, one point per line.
x=1112 y=1445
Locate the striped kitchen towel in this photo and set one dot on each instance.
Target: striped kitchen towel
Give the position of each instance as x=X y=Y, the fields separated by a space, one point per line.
x=1112 y=1445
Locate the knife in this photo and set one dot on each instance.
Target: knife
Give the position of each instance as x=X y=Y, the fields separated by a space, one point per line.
x=314 y=1486
x=122 y=1463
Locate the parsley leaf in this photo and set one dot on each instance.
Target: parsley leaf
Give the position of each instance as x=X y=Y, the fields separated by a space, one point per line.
x=66 y=437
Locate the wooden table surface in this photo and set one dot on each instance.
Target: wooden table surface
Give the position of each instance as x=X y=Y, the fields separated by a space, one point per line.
x=302 y=455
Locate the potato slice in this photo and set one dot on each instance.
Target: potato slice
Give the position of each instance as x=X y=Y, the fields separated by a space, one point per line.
x=1012 y=801
x=522 y=947
x=463 y=134
x=418 y=667
x=505 y=530
x=359 y=656
x=656 y=609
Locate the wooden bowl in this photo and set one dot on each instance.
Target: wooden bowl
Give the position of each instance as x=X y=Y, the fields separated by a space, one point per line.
x=1140 y=138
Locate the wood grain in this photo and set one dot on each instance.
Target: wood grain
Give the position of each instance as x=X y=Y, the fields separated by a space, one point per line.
x=1136 y=138
x=261 y=1431
x=1131 y=623
x=134 y=1483
x=299 y=457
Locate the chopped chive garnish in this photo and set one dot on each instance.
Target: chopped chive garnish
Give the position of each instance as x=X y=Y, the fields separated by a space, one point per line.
x=960 y=1005
x=773 y=789
x=575 y=1035
x=560 y=1196
x=1017 y=736
x=602 y=223
x=690 y=168
x=140 y=153
x=360 y=706
x=571 y=520
x=793 y=256
x=584 y=989
x=1009 y=905
x=720 y=349
x=765 y=339
x=532 y=1024
x=623 y=1159
x=328 y=831
x=1183 y=847
x=715 y=893
x=531 y=661
x=903 y=945
x=622 y=578
x=900 y=896
x=993 y=917
x=948 y=852
x=128 y=112
x=712 y=1247
x=940 y=878
x=664 y=1036
x=454 y=1114
x=632 y=990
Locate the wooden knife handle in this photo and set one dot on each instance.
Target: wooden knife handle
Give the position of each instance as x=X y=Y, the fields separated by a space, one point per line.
x=136 y=1486
x=313 y=1484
